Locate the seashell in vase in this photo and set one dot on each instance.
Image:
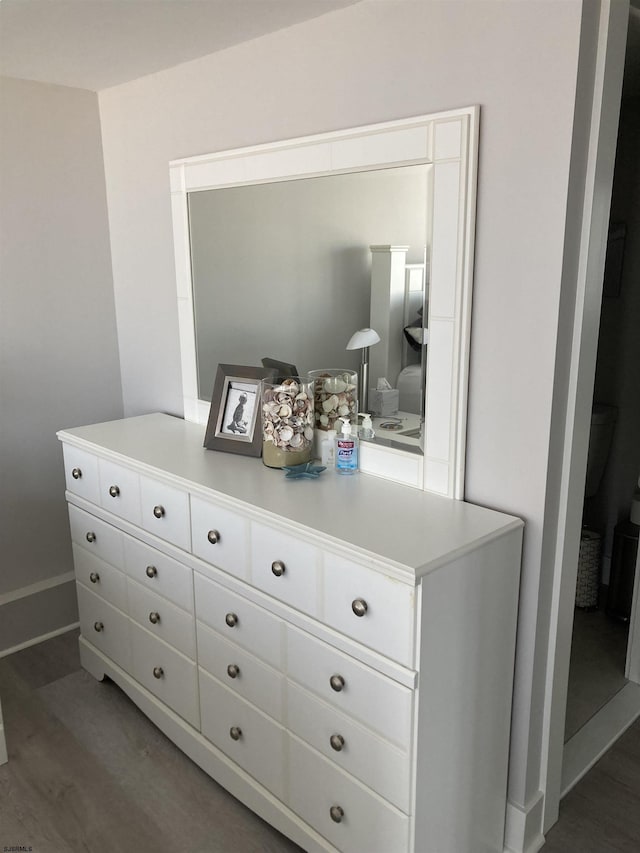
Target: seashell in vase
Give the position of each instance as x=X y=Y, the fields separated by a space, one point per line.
x=335 y=395
x=287 y=422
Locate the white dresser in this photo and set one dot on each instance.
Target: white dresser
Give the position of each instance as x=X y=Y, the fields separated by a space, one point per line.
x=337 y=653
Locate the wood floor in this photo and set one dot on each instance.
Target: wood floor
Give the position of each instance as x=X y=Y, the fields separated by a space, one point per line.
x=88 y=772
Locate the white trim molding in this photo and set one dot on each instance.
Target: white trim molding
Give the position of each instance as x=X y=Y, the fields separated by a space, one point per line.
x=37 y=612
x=593 y=156
x=34 y=588
x=3 y=743
x=523 y=826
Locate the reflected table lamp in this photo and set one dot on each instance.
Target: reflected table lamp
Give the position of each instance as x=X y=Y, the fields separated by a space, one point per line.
x=363 y=339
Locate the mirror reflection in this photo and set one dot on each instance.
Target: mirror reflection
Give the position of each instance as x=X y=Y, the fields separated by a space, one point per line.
x=291 y=269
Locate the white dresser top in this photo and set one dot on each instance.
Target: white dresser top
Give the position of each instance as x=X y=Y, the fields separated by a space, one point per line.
x=414 y=531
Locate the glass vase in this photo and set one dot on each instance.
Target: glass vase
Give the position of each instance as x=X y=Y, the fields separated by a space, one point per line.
x=287 y=422
x=335 y=396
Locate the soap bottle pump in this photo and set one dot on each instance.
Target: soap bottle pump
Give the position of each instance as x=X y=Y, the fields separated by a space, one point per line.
x=366 y=430
x=346 y=449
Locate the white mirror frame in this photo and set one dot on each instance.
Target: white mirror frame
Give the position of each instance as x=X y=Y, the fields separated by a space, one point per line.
x=449 y=142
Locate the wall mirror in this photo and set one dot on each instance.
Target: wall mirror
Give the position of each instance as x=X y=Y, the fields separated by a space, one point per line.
x=284 y=250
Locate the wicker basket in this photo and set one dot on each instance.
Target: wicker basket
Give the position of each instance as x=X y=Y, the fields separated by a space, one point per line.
x=588 y=581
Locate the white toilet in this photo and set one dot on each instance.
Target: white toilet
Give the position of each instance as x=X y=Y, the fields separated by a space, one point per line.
x=410 y=387
x=603 y=421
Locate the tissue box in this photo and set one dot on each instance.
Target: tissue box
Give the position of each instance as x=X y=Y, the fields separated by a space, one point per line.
x=384 y=403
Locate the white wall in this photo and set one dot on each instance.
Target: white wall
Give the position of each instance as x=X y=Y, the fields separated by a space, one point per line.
x=58 y=348
x=374 y=62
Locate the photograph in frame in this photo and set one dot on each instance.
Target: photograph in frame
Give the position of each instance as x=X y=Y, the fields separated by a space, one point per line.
x=234 y=424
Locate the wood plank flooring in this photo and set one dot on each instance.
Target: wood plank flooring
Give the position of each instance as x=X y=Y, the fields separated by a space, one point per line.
x=88 y=773
x=602 y=813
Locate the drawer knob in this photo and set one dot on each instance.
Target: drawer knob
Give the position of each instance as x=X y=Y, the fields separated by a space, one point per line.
x=277 y=567
x=94 y=577
x=114 y=491
x=98 y=626
x=151 y=571
x=359 y=606
x=154 y=617
x=213 y=536
x=76 y=473
x=337 y=742
x=91 y=536
x=158 y=672
x=235 y=732
x=158 y=511
x=337 y=683
x=337 y=813
x=233 y=670
x=231 y=619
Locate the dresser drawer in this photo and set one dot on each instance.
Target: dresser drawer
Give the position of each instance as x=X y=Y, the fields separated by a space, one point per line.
x=239 y=620
x=241 y=671
x=162 y=618
x=350 y=746
x=104 y=627
x=100 y=577
x=119 y=490
x=254 y=741
x=284 y=567
x=81 y=473
x=350 y=816
x=220 y=537
x=353 y=688
x=375 y=610
x=159 y=573
x=166 y=673
x=165 y=512
x=99 y=538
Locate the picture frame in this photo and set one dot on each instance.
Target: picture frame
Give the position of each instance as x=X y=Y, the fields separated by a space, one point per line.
x=234 y=424
x=283 y=369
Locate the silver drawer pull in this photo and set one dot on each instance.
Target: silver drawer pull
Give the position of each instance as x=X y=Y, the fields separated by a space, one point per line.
x=233 y=670
x=359 y=606
x=114 y=491
x=278 y=568
x=158 y=672
x=213 y=536
x=337 y=742
x=231 y=619
x=158 y=511
x=151 y=571
x=91 y=536
x=76 y=473
x=94 y=577
x=154 y=617
x=337 y=683
x=337 y=813
x=235 y=732
x=98 y=626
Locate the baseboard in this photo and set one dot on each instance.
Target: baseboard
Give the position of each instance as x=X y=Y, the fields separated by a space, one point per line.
x=40 y=639
x=37 y=612
x=523 y=826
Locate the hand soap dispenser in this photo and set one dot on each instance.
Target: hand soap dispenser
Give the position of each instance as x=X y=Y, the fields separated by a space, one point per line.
x=346 y=449
x=366 y=430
